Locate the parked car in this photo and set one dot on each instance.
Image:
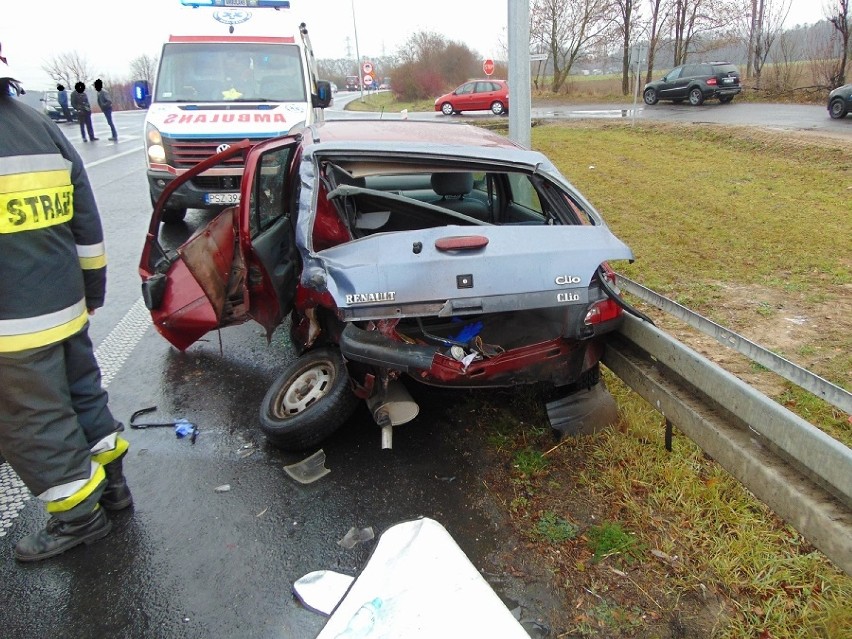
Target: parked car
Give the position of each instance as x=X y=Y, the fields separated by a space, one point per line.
x=50 y=104
x=696 y=82
x=436 y=251
x=840 y=101
x=476 y=95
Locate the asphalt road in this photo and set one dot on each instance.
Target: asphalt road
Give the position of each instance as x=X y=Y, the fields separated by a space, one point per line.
x=188 y=561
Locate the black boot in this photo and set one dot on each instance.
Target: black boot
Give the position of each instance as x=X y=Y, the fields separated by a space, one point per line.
x=116 y=495
x=59 y=536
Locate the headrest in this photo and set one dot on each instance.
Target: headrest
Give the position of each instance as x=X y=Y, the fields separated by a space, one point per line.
x=452 y=183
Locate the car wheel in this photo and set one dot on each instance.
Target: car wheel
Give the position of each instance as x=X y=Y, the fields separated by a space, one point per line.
x=837 y=109
x=447 y=108
x=310 y=400
x=497 y=107
x=650 y=97
x=725 y=99
x=696 y=97
x=173 y=216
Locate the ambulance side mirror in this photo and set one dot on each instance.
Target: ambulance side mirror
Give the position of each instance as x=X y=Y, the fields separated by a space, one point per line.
x=323 y=96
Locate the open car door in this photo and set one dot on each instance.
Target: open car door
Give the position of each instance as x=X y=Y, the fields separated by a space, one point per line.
x=241 y=265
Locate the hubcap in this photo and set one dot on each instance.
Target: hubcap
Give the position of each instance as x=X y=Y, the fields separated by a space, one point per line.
x=306 y=389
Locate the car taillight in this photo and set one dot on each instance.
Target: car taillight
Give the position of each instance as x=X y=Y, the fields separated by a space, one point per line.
x=607 y=309
x=712 y=82
x=602 y=311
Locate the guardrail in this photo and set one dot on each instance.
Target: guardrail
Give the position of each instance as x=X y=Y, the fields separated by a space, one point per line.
x=800 y=472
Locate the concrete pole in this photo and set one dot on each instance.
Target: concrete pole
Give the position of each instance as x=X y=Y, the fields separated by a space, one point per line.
x=519 y=72
x=358 y=71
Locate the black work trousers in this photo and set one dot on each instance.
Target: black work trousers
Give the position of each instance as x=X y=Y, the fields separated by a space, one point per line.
x=53 y=410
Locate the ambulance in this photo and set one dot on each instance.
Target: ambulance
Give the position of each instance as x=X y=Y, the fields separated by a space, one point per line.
x=243 y=77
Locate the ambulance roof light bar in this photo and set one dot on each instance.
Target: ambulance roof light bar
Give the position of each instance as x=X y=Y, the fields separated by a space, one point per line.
x=241 y=4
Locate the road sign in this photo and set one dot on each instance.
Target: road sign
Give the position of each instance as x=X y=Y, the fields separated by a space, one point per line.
x=367 y=68
x=368 y=80
x=488 y=66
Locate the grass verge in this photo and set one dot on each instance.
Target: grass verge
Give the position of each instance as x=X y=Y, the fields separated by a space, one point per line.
x=752 y=230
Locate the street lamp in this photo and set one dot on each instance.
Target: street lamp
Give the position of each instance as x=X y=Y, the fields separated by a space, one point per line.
x=357 y=53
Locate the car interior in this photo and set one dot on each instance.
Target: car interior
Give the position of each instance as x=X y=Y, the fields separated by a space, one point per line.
x=377 y=197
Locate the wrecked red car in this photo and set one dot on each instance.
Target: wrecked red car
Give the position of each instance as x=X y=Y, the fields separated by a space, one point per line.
x=437 y=252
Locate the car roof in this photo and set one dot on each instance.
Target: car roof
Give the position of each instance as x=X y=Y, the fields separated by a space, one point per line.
x=409 y=131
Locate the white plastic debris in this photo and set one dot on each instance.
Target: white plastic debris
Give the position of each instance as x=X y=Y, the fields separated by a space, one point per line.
x=355 y=536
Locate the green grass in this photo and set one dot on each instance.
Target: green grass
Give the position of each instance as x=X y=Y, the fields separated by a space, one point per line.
x=704 y=209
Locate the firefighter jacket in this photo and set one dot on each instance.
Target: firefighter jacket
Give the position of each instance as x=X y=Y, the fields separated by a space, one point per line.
x=51 y=240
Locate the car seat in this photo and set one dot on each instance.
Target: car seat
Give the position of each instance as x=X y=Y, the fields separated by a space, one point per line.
x=453 y=187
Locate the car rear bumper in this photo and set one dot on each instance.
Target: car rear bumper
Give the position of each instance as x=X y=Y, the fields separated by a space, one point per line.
x=559 y=361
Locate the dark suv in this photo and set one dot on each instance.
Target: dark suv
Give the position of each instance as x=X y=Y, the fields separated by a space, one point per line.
x=696 y=82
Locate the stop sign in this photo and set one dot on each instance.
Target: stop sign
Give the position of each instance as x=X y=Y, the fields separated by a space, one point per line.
x=488 y=66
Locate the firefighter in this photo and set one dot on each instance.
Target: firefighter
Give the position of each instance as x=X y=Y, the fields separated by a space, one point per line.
x=56 y=430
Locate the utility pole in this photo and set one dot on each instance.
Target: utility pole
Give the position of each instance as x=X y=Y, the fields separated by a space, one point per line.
x=519 y=72
x=357 y=53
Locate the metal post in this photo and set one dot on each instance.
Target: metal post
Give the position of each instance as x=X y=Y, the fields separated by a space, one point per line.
x=358 y=54
x=519 y=72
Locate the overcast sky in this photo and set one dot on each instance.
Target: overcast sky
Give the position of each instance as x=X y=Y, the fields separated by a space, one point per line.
x=110 y=33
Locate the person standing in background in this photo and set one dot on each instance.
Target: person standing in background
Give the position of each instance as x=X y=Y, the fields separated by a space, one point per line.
x=105 y=103
x=62 y=98
x=80 y=101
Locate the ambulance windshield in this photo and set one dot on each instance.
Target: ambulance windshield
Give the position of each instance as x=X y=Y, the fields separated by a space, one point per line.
x=230 y=72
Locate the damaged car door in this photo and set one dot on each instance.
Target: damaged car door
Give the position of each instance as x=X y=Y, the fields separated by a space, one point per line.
x=241 y=265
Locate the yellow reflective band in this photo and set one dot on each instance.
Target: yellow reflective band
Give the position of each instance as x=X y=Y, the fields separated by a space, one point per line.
x=64 y=505
x=121 y=446
x=36 y=209
x=34 y=181
x=92 y=263
x=36 y=339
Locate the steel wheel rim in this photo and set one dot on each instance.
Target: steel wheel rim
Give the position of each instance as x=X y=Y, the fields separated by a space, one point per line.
x=305 y=390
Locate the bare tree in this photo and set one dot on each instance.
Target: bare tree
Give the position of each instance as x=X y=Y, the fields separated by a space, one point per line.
x=144 y=68
x=837 y=12
x=694 y=18
x=784 y=73
x=566 y=30
x=430 y=64
x=68 y=68
x=659 y=18
x=625 y=18
x=768 y=23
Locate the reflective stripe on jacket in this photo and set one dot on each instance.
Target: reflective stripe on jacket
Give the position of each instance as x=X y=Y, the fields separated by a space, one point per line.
x=52 y=259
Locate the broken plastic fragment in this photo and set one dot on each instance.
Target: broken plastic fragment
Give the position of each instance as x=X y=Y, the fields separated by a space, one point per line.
x=355 y=536
x=321 y=590
x=309 y=469
x=224 y=488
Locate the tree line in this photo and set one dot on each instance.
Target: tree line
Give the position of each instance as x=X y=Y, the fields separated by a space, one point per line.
x=637 y=35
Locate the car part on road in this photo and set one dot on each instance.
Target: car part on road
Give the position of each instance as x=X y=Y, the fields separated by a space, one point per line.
x=309 y=469
x=310 y=400
x=182 y=426
x=392 y=407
